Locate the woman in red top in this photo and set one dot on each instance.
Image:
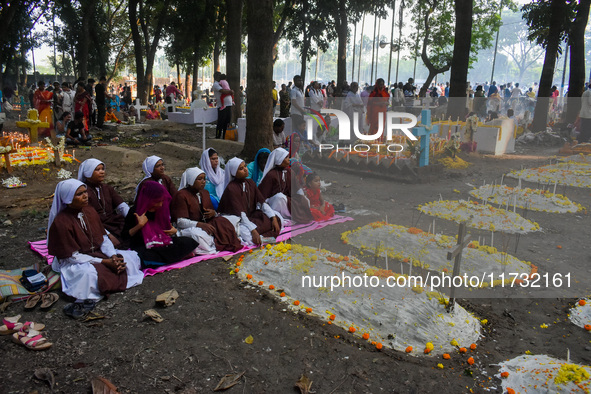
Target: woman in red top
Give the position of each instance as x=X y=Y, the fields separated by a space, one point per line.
x=321 y=210
x=377 y=106
x=42 y=100
x=81 y=101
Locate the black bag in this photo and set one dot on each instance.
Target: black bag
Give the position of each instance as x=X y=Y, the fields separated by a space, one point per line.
x=33 y=280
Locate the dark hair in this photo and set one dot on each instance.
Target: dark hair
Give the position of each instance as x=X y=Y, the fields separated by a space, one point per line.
x=211 y=152
x=217 y=74
x=109 y=107
x=278 y=123
x=510 y=112
x=263 y=157
x=78 y=115
x=66 y=114
x=310 y=177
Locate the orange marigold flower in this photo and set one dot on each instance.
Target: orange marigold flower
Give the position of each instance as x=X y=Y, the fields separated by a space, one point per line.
x=332 y=317
x=271 y=287
x=266 y=263
x=558 y=246
x=379 y=346
x=414 y=230
x=446 y=356
x=471 y=360
x=296 y=303
x=282 y=294
x=249 y=276
x=408 y=349
x=582 y=302
x=239 y=264
x=308 y=310
x=588 y=327
x=510 y=390
x=351 y=329
x=236 y=269
x=261 y=282
x=473 y=346
x=505 y=374
x=329 y=322
x=463 y=350
x=427 y=351
x=365 y=336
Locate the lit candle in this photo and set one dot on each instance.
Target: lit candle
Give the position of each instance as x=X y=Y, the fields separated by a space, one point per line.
x=74 y=154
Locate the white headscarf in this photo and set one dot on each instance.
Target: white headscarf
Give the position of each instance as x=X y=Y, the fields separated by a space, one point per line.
x=231 y=168
x=275 y=158
x=87 y=168
x=217 y=176
x=148 y=167
x=189 y=176
x=64 y=194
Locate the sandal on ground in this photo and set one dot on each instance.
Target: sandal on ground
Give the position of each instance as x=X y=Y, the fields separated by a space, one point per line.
x=32 y=301
x=32 y=340
x=11 y=325
x=48 y=299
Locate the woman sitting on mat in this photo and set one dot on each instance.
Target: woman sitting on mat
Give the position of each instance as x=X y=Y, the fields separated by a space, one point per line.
x=148 y=228
x=103 y=198
x=214 y=175
x=242 y=198
x=89 y=265
x=193 y=212
x=154 y=168
x=281 y=194
x=321 y=210
x=256 y=167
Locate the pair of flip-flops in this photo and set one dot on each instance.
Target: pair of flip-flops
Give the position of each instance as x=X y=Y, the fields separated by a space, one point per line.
x=12 y=325
x=47 y=300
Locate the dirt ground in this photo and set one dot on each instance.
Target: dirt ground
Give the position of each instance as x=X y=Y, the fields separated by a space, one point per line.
x=202 y=336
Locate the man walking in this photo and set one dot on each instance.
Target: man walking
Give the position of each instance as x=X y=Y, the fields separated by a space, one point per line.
x=101 y=95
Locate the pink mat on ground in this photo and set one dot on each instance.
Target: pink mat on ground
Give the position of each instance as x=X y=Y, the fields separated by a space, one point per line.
x=287 y=233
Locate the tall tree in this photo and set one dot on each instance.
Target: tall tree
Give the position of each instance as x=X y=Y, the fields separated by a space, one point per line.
x=436 y=21
x=234 y=50
x=461 y=57
x=576 y=39
x=547 y=21
x=259 y=121
x=146 y=19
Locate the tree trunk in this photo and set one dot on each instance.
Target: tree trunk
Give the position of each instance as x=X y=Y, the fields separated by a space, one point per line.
x=216 y=56
x=433 y=71
x=195 y=70
x=138 y=48
x=305 y=49
x=557 y=9
x=84 y=38
x=187 y=89
x=576 y=80
x=233 y=51
x=259 y=122
x=461 y=57
x=342 y=34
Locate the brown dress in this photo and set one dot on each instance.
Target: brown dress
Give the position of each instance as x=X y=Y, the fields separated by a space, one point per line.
x=237 y=199
x=185 y=204
x=67 y=236
x=105 y=200
x=275 y=182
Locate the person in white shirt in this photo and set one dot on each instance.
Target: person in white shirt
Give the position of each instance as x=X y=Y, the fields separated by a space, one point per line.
x=585 y=116
x=297 y=102
x=316 y=97
x=67 y=98
x=354 y=104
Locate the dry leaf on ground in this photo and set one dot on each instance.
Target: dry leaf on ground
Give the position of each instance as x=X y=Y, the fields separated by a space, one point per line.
x=103 y=386
x=228 y=381
x=46 y=375
x=304 y=384
x=152 y=314
x=168 y=298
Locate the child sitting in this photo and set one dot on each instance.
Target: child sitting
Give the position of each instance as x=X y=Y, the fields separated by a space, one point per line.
x=76 y=134
x=321 y=210
x=110 y=115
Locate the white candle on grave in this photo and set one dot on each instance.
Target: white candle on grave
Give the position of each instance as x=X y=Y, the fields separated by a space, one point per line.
x=386 y=219
x=555 y=183
x=519 y=184
x=74 y=154
x=492 y=238
x=429 y=231
x=514 y=202
x=319 y=245
x=401 y=269
x=502 y=178
x=433 y=226
x=386 y=261
x=410 y=268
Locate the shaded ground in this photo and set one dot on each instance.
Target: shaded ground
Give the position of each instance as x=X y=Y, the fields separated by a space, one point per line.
x=202 y=336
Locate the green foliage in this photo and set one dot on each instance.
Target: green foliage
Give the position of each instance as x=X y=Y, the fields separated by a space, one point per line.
x=537 y=15
x=441 y=24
